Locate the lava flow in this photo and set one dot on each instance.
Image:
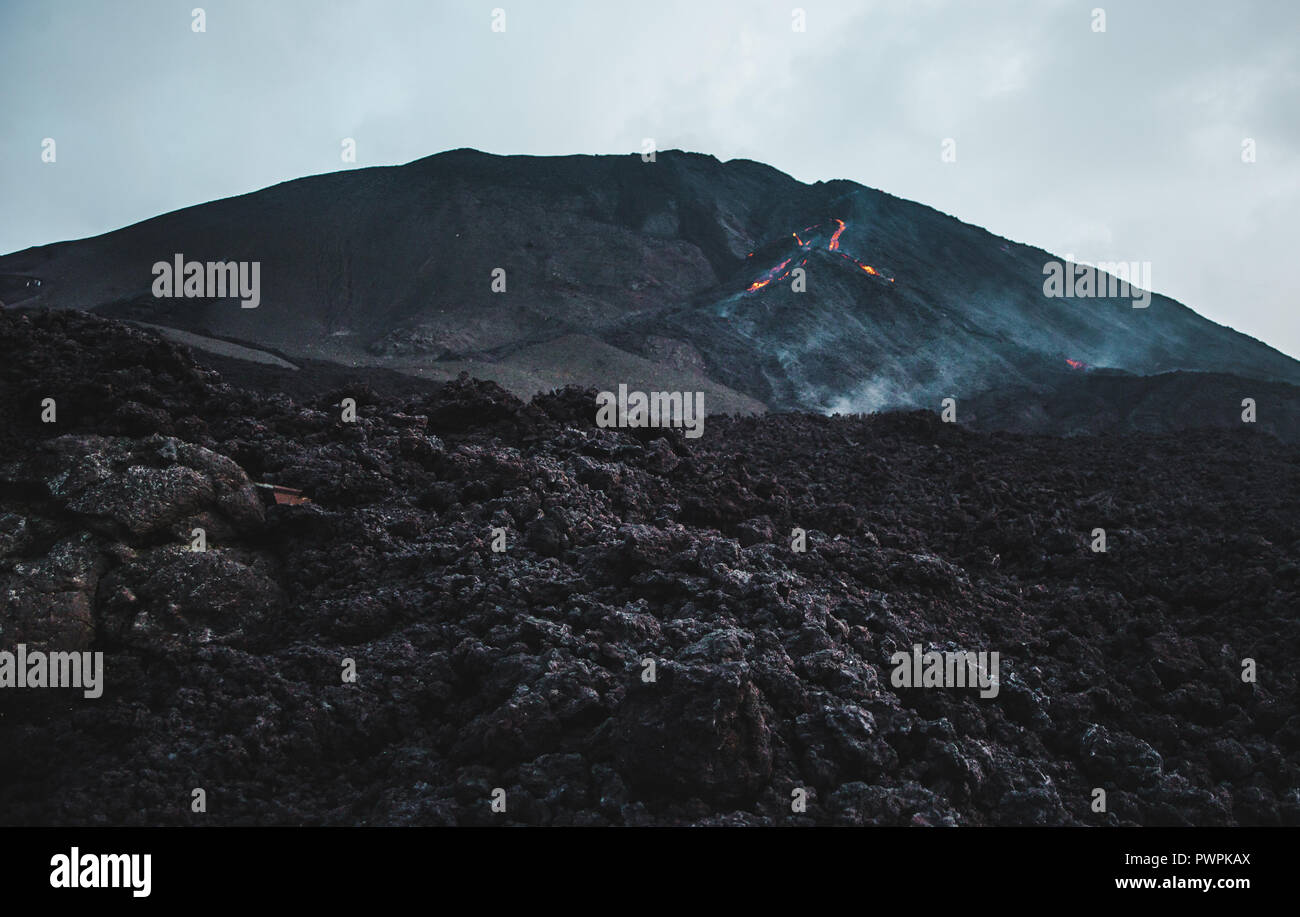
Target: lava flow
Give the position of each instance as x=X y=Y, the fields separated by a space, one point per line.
x=835 y=237
x=1077 y=364
x=769 y=276
x=783 y=269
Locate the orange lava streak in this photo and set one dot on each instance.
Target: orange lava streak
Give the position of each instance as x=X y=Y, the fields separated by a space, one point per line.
x=1076 y=364
x=866 y=267
x=779 y=272
x=771 y=275
x=835 y=238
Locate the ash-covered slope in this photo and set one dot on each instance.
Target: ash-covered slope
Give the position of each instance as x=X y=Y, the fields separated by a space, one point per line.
x=524 y=669
x=617 y=270
x=1074 y=402
x=357 y=258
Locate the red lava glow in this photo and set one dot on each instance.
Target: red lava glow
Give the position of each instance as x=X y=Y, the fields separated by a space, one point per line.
x=769 y=277
x=1076 y=364
x=779 y=272
x=866 y=267
x=835 y=237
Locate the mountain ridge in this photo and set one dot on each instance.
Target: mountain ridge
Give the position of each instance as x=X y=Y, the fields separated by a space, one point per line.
x=393 y=266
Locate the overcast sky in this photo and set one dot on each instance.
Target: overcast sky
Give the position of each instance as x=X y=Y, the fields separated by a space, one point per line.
x=1117 y=145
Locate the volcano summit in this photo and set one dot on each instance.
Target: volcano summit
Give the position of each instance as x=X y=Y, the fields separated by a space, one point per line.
x=682 y=274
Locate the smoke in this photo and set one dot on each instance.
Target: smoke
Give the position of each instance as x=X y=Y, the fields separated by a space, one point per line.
x=874 y=395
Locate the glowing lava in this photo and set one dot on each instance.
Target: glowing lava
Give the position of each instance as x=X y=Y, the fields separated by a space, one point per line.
x=835 y=237
x=769 y=277
x=1076 y=364
x=783 y=269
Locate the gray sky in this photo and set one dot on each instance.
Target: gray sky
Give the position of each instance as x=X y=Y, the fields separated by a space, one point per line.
x=1123 y=145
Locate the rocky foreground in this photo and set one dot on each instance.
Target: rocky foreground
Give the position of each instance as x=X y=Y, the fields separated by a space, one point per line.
x=525 y=670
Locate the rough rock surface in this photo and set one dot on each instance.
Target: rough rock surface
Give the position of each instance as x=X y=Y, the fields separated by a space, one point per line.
x=526 y=670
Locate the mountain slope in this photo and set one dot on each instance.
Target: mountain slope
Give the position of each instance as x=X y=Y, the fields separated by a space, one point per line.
x=394 y=267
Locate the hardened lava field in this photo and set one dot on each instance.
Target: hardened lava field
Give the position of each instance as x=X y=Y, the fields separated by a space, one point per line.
x=523 y=670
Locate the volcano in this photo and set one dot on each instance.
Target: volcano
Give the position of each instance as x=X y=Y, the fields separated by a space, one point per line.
x=333 y=586
x=684 y=273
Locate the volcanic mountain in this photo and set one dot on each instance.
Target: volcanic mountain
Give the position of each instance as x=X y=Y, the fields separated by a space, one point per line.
x=672 y=274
